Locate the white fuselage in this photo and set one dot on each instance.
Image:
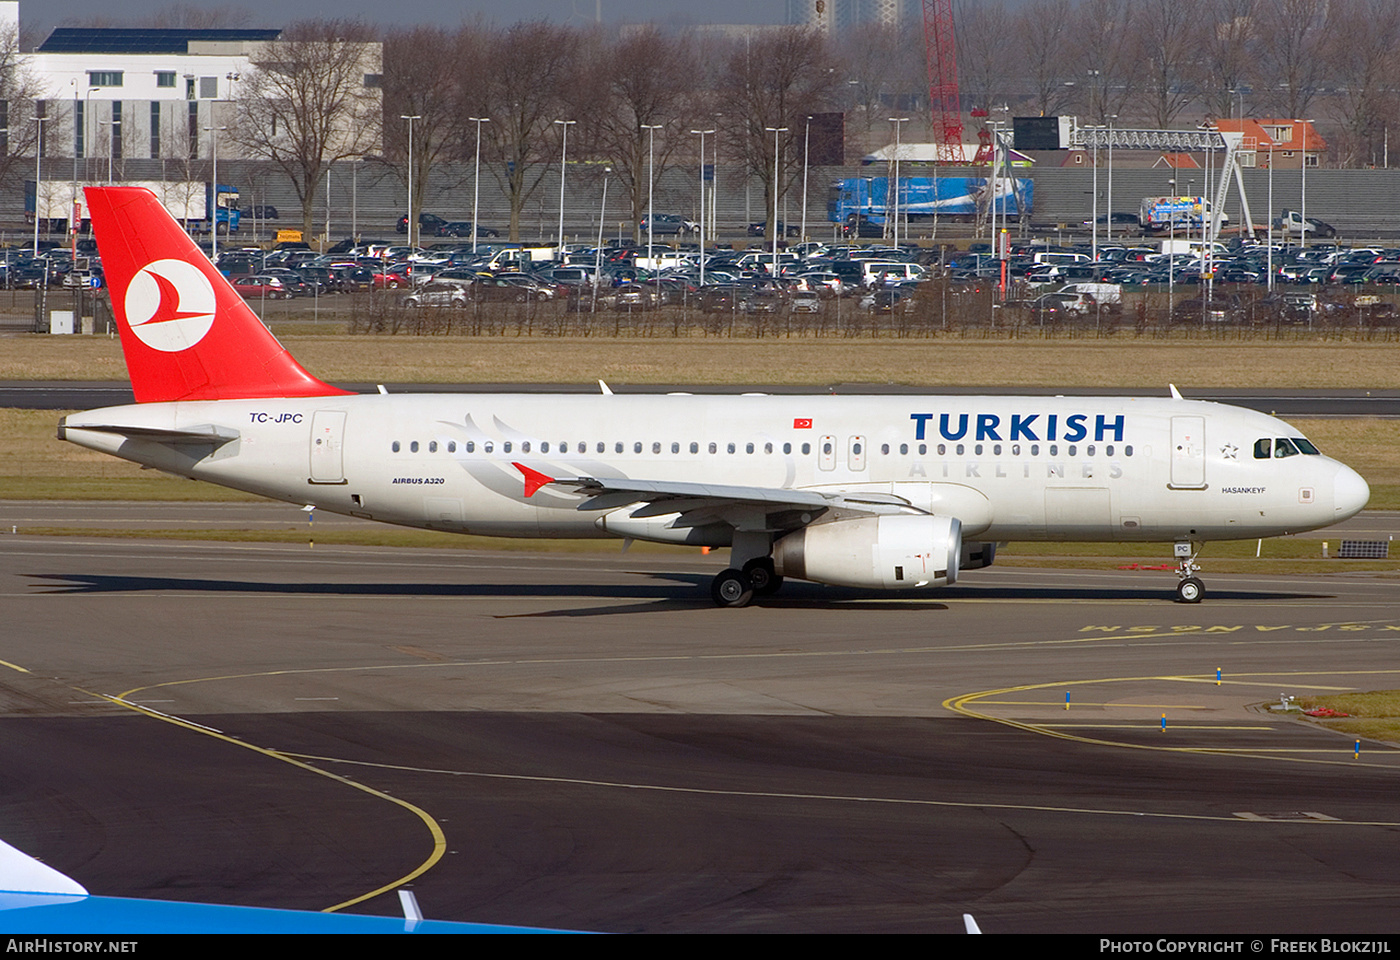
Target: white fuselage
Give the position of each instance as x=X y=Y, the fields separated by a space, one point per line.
x=1009 y=468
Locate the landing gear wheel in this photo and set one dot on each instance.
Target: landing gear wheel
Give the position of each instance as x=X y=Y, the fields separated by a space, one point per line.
x=731 y=588
x=760 y=573
x=1190 y=590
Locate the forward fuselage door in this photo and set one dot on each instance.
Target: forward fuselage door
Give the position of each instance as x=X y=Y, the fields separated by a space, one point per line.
x=328 y=446
x=1188 y=453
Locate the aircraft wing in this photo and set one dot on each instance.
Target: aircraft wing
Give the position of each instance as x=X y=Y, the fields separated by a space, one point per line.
x=36 y=898
x=714 y=501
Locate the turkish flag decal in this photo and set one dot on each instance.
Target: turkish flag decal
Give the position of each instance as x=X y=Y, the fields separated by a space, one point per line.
x=802 y=423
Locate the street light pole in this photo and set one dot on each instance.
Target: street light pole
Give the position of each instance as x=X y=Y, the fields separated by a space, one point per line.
x=897 y=121
x=773 y=222
x=702 y=203
x=563 y=160
x=1109 y=212
x=1094 y=209
x=651 y=129
x=38 y=156
x=412 y=225
x=1303 y=211
x=1271 y=215
x=598 y=251
x=213 y=214
x=806 y=157
x=476 y=178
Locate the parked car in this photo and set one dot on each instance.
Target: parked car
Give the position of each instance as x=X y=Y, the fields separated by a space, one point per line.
x=857 y=225
x=506 y=287
x=635 y=296
x=437 y=295
x=760 y=229
x=428 y=223
x=1119 y=219
x=463 y=228
x=668 y=225
x=1218 y=310
x=260 y=286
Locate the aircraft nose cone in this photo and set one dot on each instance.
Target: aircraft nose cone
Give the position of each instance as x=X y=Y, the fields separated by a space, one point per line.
x=1350 y=493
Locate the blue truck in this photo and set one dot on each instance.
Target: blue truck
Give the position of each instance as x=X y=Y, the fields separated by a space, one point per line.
x=868 y=199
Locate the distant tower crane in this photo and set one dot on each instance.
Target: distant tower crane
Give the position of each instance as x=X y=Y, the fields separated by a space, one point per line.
x=944 y=101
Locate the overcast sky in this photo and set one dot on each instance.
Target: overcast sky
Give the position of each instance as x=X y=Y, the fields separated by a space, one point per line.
x=44 y=15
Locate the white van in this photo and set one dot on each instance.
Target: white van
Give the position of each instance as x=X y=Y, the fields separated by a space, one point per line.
x=875 y=272
x=1096 y=292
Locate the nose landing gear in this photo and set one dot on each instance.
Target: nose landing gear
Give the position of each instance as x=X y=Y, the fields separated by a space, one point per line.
x=1189 y=588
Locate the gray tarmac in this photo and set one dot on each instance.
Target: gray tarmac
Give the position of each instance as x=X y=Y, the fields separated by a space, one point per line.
x=86 y=395
x=584 y=741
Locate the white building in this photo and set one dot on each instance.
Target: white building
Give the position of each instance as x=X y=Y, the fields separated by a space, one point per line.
x=144 y=93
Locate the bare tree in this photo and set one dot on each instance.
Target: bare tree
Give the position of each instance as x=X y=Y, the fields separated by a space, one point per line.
x=1227 y=54
x=528 y=69
x=19 y=90
x=1290 y=58
x=313 y=99
x=983 y=35
x=776 y=82
x=1169 y=35
x=1109 y=70
x=1366 y=68
x=1041 y=43
x=639 y=81
x=871 y=68
x=421 y=73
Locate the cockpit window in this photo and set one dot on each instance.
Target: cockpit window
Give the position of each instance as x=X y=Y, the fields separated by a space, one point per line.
x=1263 y=448
x=1283 y=447
x=1306 y=446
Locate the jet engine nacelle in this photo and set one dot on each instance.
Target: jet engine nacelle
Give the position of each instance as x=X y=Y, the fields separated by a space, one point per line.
x=883 y=552
x=977 y=554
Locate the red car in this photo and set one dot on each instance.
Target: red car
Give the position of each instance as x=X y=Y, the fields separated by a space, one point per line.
x=261 y=288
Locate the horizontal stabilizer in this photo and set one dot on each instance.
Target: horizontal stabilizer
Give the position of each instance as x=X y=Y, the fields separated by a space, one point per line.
x=203 y=433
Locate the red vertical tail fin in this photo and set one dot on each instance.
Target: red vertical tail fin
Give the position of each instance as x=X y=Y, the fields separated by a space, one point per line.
x=186 y=334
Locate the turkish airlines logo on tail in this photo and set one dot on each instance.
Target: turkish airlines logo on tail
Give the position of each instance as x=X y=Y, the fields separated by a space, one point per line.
x=170 y=305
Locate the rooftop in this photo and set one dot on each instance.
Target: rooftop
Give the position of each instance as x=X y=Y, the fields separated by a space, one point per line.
x=142 y=39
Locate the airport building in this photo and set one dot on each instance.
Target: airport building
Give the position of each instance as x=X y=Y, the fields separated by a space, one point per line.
x=145 y=94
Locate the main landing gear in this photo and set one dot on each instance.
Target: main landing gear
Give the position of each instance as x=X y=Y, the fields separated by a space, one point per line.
x=751 y=573
x=735 y=588
x=1189 y=588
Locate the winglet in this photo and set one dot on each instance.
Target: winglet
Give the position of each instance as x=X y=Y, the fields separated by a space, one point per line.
x=533 y=478
x=970 y=925
x=607 y=390
x=1176 y=394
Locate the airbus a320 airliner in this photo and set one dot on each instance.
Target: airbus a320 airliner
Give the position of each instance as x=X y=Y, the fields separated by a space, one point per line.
x=870 y=492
